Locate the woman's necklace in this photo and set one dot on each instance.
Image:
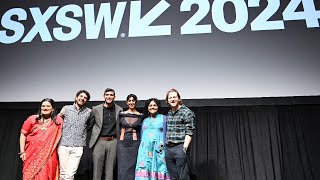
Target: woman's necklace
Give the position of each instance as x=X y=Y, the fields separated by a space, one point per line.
x=44 y=124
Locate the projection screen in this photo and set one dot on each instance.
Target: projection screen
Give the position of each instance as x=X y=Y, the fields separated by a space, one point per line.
x=204 y=48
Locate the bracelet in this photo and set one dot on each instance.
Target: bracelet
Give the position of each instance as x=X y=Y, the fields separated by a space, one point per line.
x=21 y=153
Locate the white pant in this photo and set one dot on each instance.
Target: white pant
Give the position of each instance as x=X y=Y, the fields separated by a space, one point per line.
x=69 y=159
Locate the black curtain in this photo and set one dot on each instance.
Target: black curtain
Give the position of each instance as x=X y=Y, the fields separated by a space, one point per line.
x=247 y=142
x=257 y=142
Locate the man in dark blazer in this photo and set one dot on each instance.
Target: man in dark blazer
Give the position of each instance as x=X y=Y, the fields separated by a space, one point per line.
x=105 y=130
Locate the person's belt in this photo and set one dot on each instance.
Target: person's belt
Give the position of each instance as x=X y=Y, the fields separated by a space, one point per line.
x=107 y=138
x=171 y=144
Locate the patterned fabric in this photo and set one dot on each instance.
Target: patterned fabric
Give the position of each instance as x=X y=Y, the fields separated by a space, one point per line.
x=151 y=162
x=180 y=124
x=74 y=131
x=40 y=150
x=128 y=145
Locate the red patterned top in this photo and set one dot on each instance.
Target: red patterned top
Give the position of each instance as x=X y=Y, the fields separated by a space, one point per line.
x=40 y=150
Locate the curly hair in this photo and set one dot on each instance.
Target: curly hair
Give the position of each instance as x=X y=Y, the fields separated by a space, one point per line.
x=157 y=101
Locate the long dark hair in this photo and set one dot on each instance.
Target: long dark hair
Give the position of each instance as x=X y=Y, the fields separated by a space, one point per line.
x=53 y=113
x=146 y=112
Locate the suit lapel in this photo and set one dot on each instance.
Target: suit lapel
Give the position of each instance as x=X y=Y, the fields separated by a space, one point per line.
x=117 y=112
x=100 y=111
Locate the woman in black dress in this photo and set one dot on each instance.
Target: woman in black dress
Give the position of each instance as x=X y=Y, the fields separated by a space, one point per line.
x=129 y=140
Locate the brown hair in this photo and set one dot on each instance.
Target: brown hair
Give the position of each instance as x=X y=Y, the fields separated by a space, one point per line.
x=109 y=90
x=178 y=94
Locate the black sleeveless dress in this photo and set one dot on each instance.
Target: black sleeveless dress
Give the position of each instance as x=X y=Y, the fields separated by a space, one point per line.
x=128 y=145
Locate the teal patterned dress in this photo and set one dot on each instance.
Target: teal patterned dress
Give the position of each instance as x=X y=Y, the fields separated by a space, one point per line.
x=151 y=162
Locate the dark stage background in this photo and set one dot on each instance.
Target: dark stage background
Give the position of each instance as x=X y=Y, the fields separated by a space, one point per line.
x=236 y=139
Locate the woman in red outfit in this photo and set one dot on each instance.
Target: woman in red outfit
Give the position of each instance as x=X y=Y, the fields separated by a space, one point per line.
x=39 y=137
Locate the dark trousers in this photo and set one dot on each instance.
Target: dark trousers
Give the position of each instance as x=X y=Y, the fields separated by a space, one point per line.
x=176 y=160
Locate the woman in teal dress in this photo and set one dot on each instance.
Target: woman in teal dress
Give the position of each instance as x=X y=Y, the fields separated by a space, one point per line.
x=151 y=162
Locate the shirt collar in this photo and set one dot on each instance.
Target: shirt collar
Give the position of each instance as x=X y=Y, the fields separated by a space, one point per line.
x=75 y=107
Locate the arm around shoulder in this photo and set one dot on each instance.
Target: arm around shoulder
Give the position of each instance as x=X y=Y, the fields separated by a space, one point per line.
x=90 y=121
x=62 y=112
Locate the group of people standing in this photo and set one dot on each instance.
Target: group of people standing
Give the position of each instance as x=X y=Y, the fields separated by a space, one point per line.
x=144 y=145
